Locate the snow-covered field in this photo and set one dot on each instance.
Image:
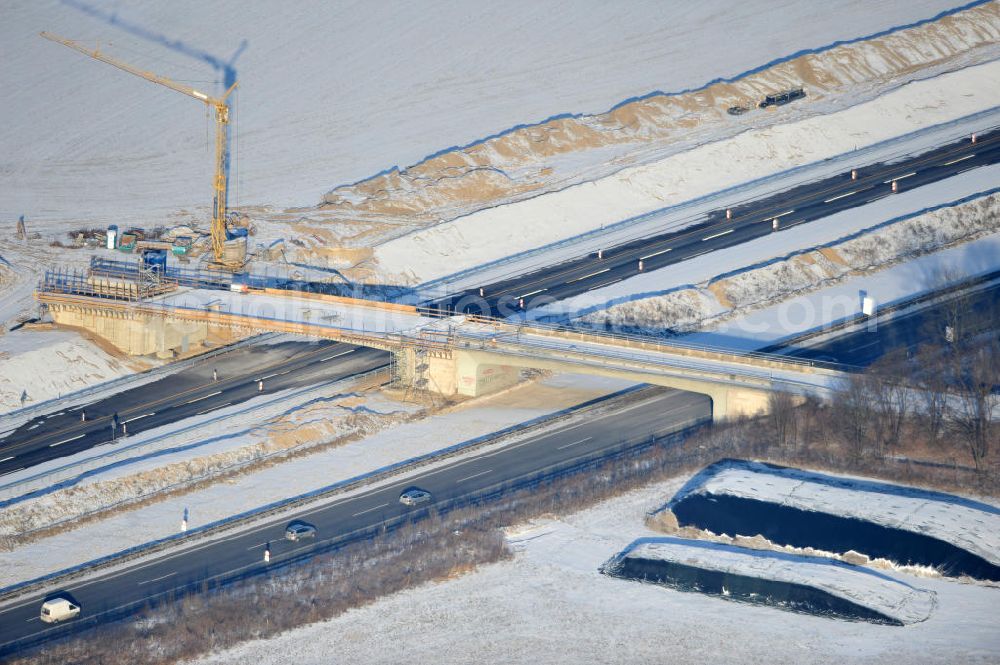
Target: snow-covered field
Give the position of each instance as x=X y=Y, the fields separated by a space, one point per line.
x=518 y=227
x=889 y=596
x=645 y=298
x=378 y=448
x=43 y=364
x=971 y=525
x=551 y=605
x=329 y=94
x=844 y=299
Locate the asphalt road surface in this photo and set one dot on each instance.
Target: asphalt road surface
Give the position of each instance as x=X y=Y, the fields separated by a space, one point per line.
x=662 y=411
x=193 y=391
x=979 y=312
x=796 y=206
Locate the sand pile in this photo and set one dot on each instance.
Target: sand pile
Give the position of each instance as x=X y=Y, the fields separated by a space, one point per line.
x=545 y=157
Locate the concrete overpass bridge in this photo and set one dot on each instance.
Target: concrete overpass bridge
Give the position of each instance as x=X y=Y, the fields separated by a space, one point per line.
x=450 y=355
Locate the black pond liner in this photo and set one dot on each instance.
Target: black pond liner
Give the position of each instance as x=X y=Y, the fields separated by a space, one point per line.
x=785 y=525
x=782 y=595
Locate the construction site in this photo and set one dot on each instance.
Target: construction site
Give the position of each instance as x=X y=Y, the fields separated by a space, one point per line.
x=395 y=309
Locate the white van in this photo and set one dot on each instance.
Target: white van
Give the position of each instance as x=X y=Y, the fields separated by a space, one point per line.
x=58 y=609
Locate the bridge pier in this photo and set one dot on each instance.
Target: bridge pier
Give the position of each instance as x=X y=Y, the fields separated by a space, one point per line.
x=475 y=373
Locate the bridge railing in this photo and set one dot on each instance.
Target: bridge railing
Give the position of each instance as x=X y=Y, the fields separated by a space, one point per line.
x=634 y=341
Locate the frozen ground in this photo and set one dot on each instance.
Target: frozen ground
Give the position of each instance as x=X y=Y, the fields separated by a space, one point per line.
x=887 y=595
x=45 y=364
x=551 y=605
x=971 y=525
x=382 y=447
x=761 y=251
x=505 y=230
x=843 y=300
x=329 y=94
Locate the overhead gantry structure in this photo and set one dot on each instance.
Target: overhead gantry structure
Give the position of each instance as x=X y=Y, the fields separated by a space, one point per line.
x=219 y=228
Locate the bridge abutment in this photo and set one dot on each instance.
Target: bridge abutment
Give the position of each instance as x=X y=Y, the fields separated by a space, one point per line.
x=134 y=333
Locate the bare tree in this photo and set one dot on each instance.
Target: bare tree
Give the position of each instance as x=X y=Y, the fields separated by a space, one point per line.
x=931 y=382
x=972 y=408
x=782 y=414
x=853 y=413
x=890 y=395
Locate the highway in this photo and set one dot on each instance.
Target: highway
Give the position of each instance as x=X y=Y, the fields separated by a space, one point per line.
x=190 y=392
x=755 y=219
x=907 y=330
x=657 y=411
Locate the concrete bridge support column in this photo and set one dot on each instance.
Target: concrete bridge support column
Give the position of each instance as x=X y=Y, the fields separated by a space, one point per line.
x=480 y=372
x=453 y=372
x=134 y=334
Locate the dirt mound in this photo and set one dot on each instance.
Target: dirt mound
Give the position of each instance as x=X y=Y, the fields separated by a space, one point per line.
x=533 y=159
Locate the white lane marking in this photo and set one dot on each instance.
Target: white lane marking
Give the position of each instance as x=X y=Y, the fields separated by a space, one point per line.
x=214 y=408
x=574 y=443
x=217 y=392
x=782 y=214
x=601 y=286
x=269 y=376
x=263 y=527
x=877 y=198
x=31 y=619
x=253 y=547
x=971 y=168
x=841 y=196
x=59 y=443
x=525 y=295
x=691 y=256
x=145 y=415
x=475 y=475
x=662 y=251
x=163 y=577
x=886 y=182
x=20 y=468
x=7 y=459
x=960 y=159
x=337 y=355
x=383 y=505
x=590 y=275
x=717 y=235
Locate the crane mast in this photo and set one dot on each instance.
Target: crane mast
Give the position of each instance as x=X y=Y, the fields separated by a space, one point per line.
x=221 y=110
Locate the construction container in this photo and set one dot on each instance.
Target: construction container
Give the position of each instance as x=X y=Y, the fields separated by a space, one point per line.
x=112 y=236
x=127 y=242
x=155 y=260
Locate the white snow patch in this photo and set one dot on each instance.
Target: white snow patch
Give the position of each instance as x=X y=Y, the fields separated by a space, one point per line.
x=867 y=588
x=971 y=525
x=550 y=605
x=504 y=230
x=46 y=364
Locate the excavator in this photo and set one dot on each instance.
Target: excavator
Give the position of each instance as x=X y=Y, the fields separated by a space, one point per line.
x=229 y=234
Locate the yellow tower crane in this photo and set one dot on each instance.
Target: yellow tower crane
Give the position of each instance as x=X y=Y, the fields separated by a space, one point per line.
x=219 y=211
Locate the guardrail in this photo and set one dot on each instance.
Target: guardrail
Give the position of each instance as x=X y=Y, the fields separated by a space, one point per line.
x=442 y=285
x=272 y=509
x=50 y=479
x=889 y=308
x=35 y=410
x=631 y=447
